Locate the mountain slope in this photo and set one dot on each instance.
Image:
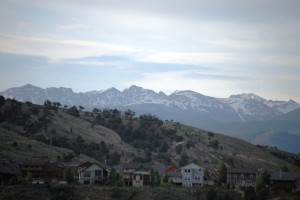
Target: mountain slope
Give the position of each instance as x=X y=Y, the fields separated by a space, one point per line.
x=282 y=131
x=130 y=137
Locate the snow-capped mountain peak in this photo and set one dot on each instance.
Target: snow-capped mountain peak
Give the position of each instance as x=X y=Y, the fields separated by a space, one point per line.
x=247 y=96
x=183 y=105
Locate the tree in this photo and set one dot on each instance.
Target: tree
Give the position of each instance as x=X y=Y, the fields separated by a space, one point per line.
x=113 y=159
x=164 y=147
x=155 y=178
x=178 y=149
x=73 y=111
x=114 y=178
x=189 y=144
x=2 y=100
x=284 y=168
x=58 y=104
x=15 y=144
x=68 y=175
x=28 y=177
x=211 y=194
x=165 y=178
x=95 y=110
x=222 y=173
x=48 y=103
x=81 y=108
x=261 y=189
x=129 y=114
x=250 y=193
x=184 y=159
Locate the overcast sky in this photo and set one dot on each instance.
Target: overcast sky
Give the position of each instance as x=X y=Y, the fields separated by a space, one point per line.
x=216 y=48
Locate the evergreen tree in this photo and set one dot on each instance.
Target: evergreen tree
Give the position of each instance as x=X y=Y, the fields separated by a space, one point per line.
x=222 y=173
x=261 y=189
x=68 y=175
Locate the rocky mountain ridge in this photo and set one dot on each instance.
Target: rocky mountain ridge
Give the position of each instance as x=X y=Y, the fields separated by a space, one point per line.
x=236 y=108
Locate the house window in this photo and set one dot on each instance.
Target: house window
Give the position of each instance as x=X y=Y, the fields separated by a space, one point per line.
x=189 y=170
x=199 y=170
x=251 y=175
x=87 y=174
x=185 y=170
x=98 y=172
x=242 y=175
x=235 y=175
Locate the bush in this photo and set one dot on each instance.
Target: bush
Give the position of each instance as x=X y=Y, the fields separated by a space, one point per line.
x=211 y=195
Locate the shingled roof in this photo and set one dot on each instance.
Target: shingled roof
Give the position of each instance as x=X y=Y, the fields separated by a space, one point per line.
x=285 y=176
x=242 y=171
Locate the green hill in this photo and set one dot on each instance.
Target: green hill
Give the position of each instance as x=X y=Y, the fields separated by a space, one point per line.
x=29 y=131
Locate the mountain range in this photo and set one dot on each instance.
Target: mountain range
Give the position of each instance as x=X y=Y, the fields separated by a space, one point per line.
x=225 y=115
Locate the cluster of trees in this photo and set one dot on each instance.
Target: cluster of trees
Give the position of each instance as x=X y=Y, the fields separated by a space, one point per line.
x=144 y=132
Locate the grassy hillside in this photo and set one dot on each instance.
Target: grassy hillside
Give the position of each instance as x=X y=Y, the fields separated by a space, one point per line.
x=26 y=148
x=27 y=130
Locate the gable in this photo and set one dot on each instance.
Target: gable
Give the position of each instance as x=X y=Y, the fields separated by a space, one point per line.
x=93 y=167
x=193 y=166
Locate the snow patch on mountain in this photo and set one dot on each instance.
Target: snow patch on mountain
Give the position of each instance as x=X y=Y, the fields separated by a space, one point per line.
x=239 y=107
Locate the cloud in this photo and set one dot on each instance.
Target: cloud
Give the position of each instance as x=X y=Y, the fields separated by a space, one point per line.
x=193 y=58
x=238 y=44
x=72 y=27
x=184 y=80
x=58 y=49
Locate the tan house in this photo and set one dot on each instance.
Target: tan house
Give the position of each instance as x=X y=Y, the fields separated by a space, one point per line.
x=138 y=174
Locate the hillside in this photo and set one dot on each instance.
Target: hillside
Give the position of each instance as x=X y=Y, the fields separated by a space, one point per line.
x=114 y=136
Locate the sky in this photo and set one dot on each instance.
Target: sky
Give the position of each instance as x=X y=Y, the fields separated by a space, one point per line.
x=216 y=48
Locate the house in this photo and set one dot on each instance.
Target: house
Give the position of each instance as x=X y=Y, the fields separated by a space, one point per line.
x=35 y=168
x=285 y=181
x=10 y=173
x=92 y=173
x=175 y=177
x=213 y=175
x=192 y=175
x=241 y=177
x=53 y=171
x=135 y=174
x=48 y=170
x=170 y=169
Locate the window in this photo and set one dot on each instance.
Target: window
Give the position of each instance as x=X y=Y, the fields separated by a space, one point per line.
x=189 y=170
x=251 y=175
x=87 y=174
x=235 y=175
x=185 y=170
x=242 y=175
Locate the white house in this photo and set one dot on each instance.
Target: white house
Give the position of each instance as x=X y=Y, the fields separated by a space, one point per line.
x=92 y=173
x=192 y=175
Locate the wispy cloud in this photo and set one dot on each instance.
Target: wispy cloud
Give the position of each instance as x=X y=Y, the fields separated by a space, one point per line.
x=58 y=49
x=190 y=58
x=72 y=27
